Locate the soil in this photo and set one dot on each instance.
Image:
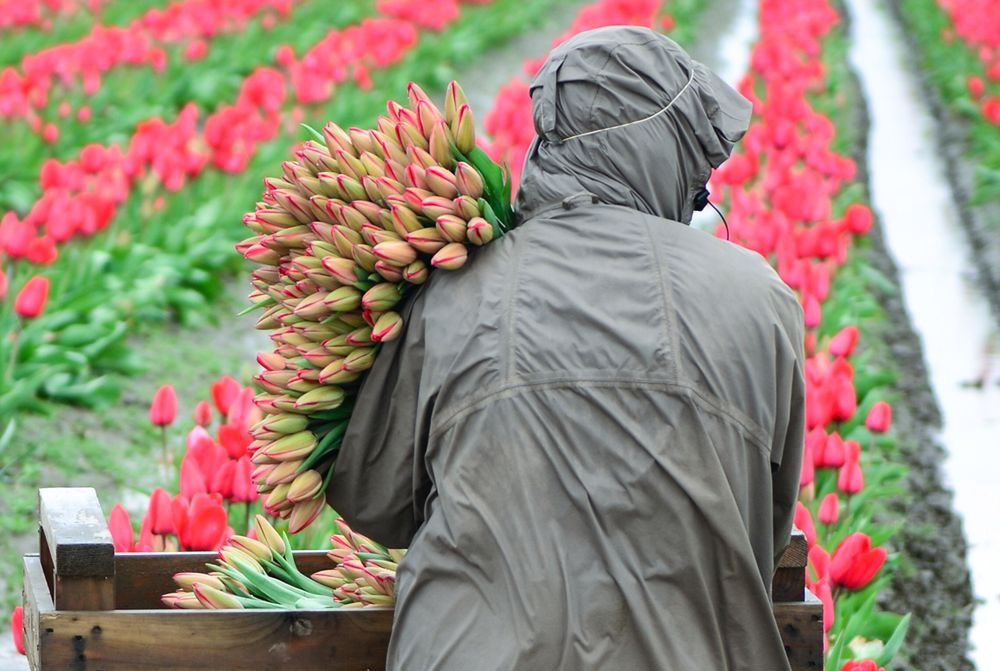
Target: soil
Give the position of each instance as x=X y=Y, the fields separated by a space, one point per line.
x=934 y=583
x=981 y=222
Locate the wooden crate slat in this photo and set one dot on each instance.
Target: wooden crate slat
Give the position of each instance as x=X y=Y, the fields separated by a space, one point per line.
x=801 y=627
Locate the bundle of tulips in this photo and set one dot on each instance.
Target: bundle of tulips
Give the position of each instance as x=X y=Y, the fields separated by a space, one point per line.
x=261 y=573
x=341 y=236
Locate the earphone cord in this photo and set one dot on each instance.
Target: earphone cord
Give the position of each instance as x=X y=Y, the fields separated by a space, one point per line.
x=724 y=222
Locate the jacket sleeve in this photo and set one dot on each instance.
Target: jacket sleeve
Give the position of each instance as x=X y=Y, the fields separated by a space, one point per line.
x=789 y=434
x=379 y=483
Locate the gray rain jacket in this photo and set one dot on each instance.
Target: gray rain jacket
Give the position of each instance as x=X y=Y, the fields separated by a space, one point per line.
x=590 y=437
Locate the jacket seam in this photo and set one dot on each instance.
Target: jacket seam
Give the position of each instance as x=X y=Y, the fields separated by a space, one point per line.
x=708 y=402
x=666 y=303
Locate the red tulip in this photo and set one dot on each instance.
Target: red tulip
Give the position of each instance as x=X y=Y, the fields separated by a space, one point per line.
x=203 y=413
x=861 y=665
x=804 y=522
x=825 y=594
x=158 y=513
x=17 y=628
x=224 y=393
x=121 y=530
x=976 y=87
x=829 y=509
x=831 y=452
x=235 y=439
x=31 y=300
x=854 y=563
x=843 y=343
x=808 y=474
x=222 y=480
x=819 y=562
x=192 y=479
x=879 y=417
x=202 y=524
x=244 y=491
x=3 y=284
x=851 y=479
x=163 y=410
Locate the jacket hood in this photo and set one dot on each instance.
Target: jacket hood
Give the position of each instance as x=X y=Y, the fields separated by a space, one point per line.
x=625 y=114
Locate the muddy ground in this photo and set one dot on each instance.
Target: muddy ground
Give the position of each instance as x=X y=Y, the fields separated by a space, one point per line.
x=934 y=584
x=980 y=221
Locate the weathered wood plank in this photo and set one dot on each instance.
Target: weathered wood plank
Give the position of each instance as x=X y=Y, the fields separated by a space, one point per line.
x=788 y=584
x=76 y=532
x=797 y=552
x=37 y=600
x=176 y=640
x=801 y=627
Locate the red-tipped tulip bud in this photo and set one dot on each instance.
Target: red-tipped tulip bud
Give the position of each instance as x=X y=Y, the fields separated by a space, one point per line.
x=362 y=140
x=209 y=597
x=342 y=269
x=469 y=181
x=280 y=474
x=381 y=297
x=337 y=139
x=351 y=188
x=440 y=145
x=256 y=549
x=466 y=207
x=389 y=273
x=416 y=272
x=442 y=182
x=390 y=186
x=371 y=211
x=427 y=116
x=324 y=398
x=305 y=486
x=397 y=252
x=479 y=231
x=450 y=257
x=426 y=240
x=294 y=445
x=277 y=218
x=387 y=328
x=360 y=360
x=260 y=254
x=454 y=100
x=415 y=176
x=312 y=307
x=415 y=198
x=464 y=130
x=188 y=580
x=452 y=228
x=364 y=256
x=437 y=206
x=284 y=423
x=163 y=410
x=303 y=514
x=267 y=534
x=344 y=240
x=343 y=299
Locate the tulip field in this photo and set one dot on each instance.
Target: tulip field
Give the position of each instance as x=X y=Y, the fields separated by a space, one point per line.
x=160 y=161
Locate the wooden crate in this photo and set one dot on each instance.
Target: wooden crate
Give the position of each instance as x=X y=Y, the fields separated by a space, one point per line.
x=89 y=609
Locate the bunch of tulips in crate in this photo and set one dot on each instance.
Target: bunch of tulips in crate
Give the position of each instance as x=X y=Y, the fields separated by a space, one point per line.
x=341 y=237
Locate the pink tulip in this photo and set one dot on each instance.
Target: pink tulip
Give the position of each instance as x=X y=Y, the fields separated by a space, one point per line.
x=854 y=563
x=804 y=521
x=17 y=628
x=224 y=393
x=879 y=418
x=829 y=509
x=158 y=513
x=203 y=413
x=31 y=299
x=843 y=343
x=121 y=530
x=163 y=410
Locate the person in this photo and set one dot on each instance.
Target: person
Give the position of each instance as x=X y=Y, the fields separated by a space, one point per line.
x=590 y=438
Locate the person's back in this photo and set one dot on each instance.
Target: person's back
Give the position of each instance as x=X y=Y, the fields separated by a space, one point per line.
x=588 y=429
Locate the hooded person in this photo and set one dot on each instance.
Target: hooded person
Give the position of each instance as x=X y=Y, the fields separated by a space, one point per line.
x=590 y=437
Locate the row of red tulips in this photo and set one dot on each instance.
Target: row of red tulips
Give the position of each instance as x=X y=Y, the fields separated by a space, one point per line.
x=780 y=192
x=977 y=24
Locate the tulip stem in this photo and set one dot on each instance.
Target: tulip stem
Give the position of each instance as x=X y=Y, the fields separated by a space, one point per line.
x=247 y=523
x=166 y=450
x=15 y=344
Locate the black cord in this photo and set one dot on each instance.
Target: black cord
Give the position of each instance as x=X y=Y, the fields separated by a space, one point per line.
x=724 y=222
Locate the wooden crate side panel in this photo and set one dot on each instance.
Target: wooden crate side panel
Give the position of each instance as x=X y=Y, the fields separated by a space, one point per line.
x=174 y=640
x=801 y=627
x=141 y=578
x=37 y=602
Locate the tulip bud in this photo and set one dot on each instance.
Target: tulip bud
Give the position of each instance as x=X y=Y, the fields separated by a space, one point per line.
x=360 y=360
x=466 y=207
x=397 y=253
x=344 y=240
x=304 y=513
x=351 y=188
x=464 y=130
x=312 y=307
x=329 y=578
x=437 y=206
x=282 y=473
x=879 y=418
x=305 y=486
x=440 y=145
x=364 y=256
x=452 y=228
x=361 y=139
x=416 y=272
x=163 y=410
x=371 y=211
x=415 y=176
x=450 y=257
x=284 y=423
x=387 y=328
x=267 y=534
x=252 y=547
x=381 y=297
x=294 y=445
x=829 y=509
x=469 y=181
x=427 y=116
x=389 y=186
x=275 y=502
x=479 y=231
x=324 y=398
x=454 y=100
x=388 y=272
x=209 y=597
x=441 y=182
x=343 y=299
x=187 y=580
x=415 y=197
x=337 y=139
x=426 y=240
x=203 y=413
x=255 y=254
